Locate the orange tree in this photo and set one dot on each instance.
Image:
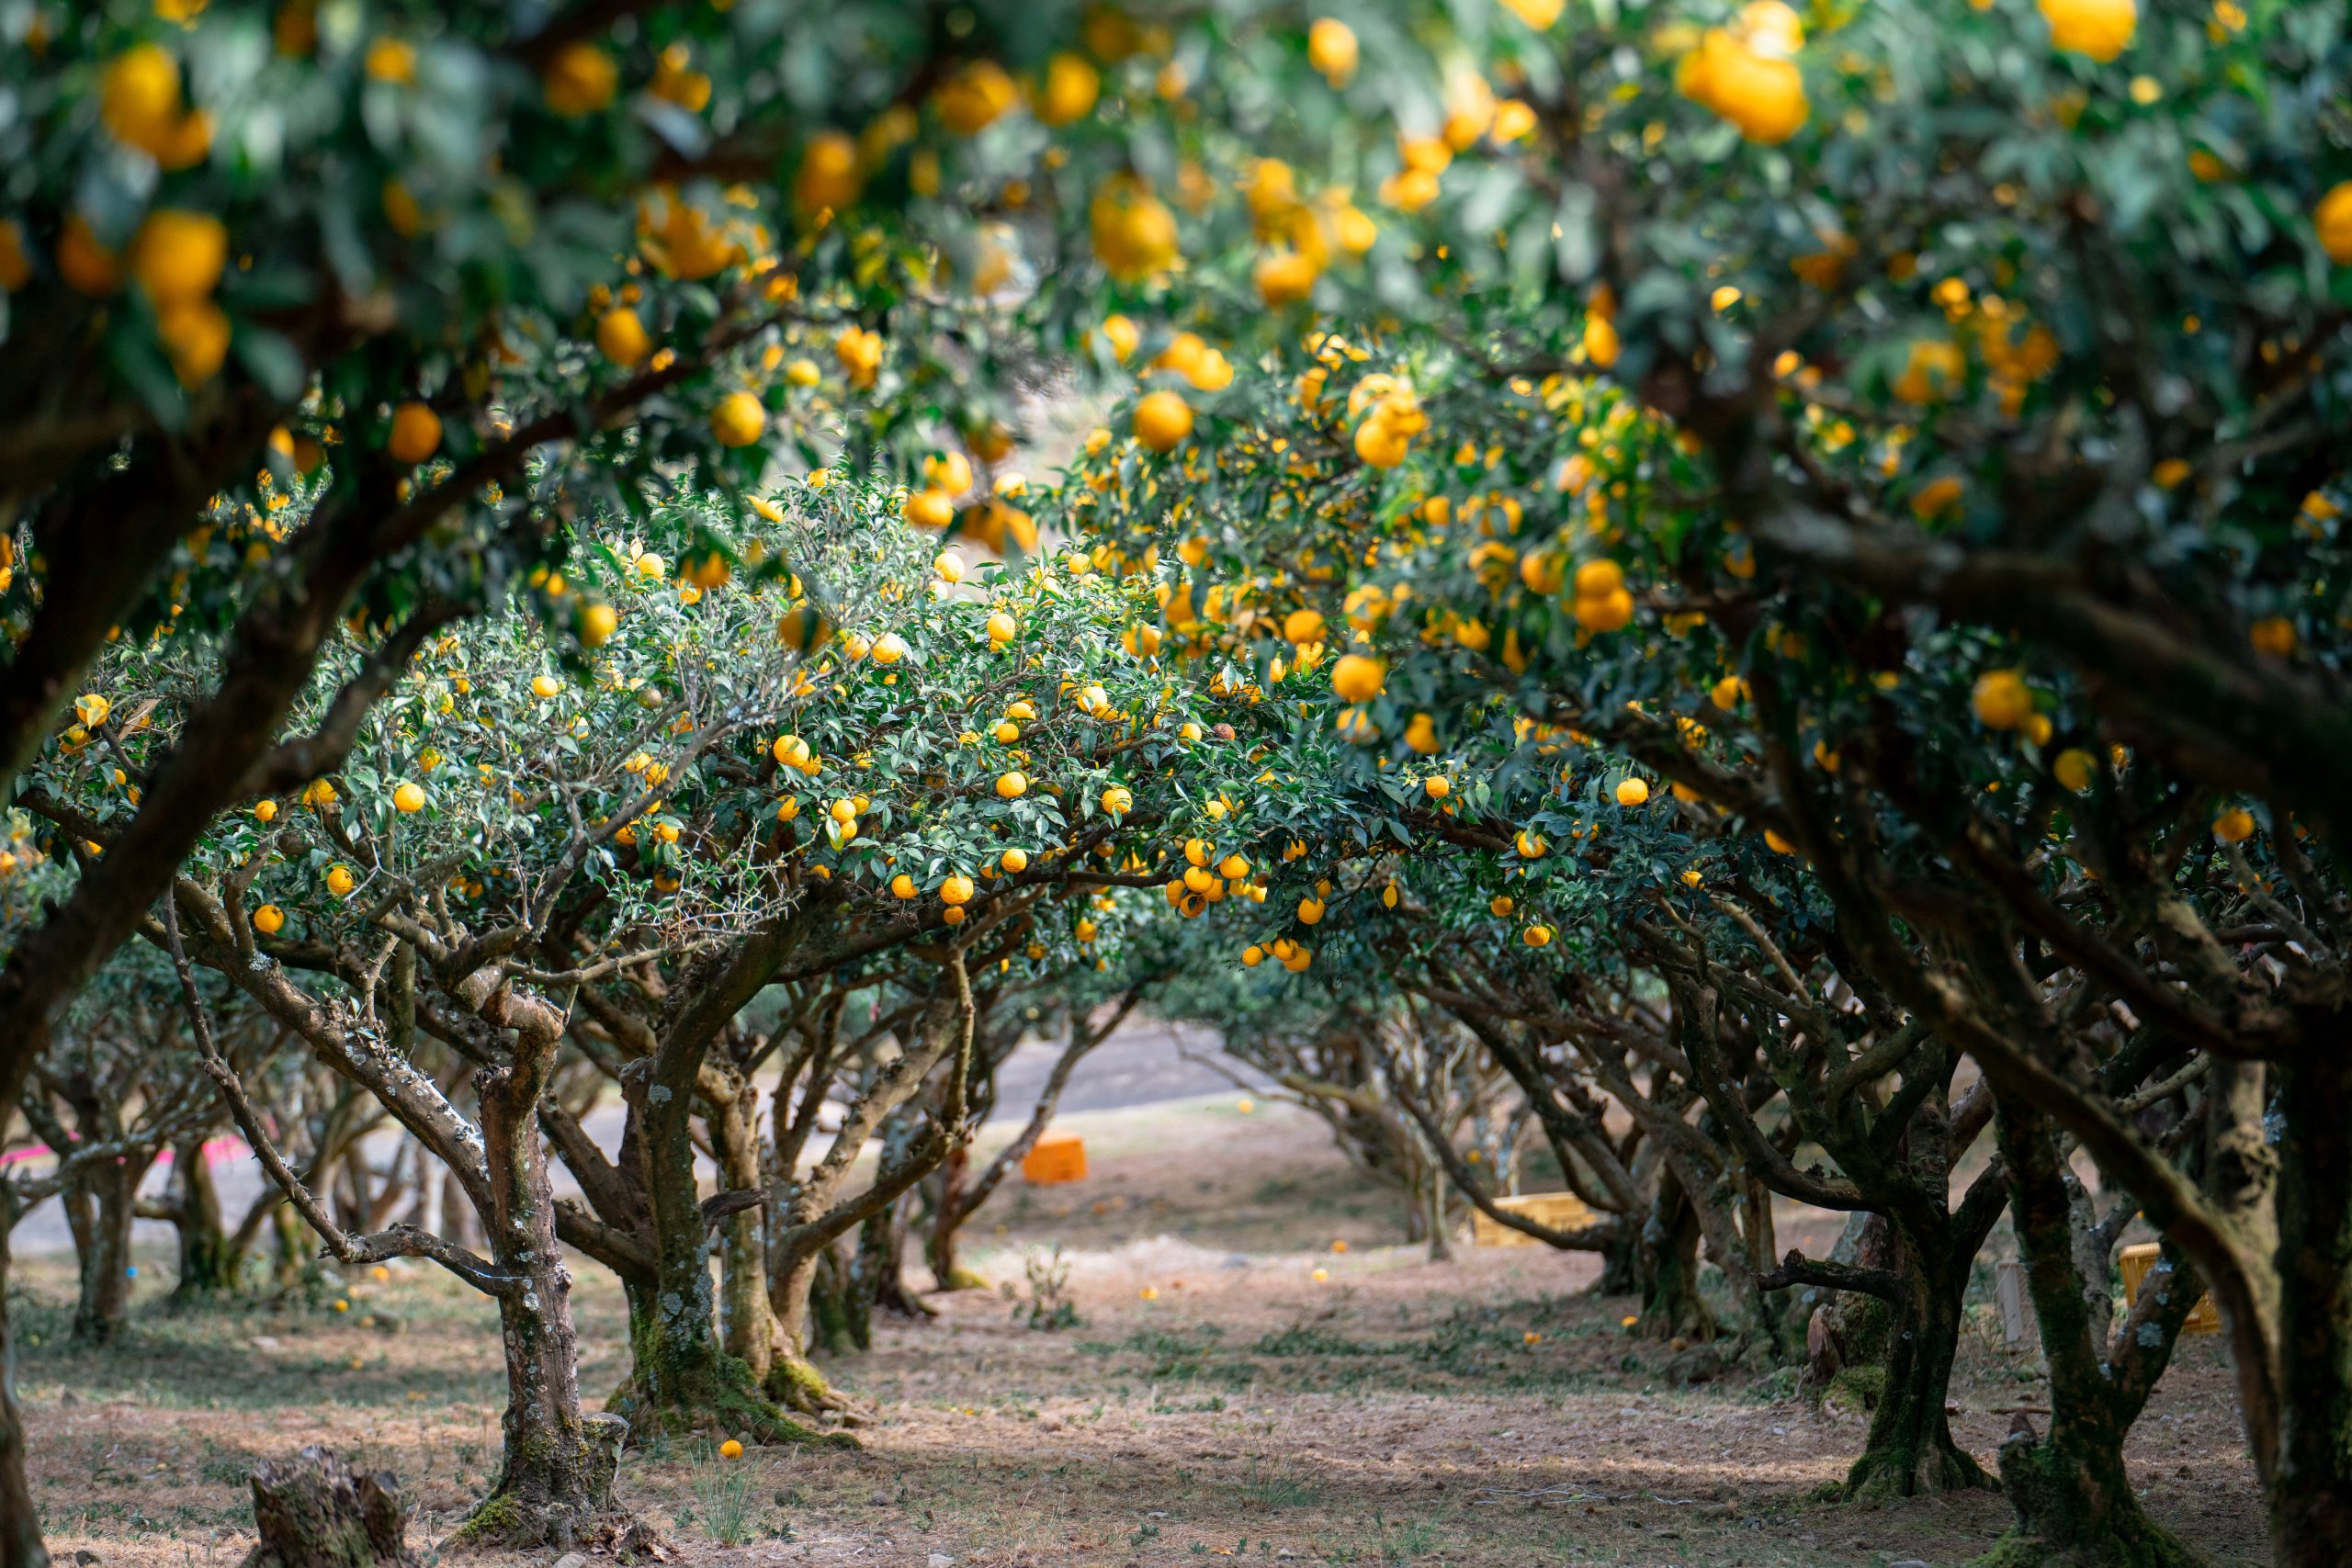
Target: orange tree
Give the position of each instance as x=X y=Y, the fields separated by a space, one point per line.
x=883 y=765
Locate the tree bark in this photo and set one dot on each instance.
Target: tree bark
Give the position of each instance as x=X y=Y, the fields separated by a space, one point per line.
x=680 y=1378
x=747 y=1327
x=2311 y=1492
x=312 y=1511
x=207 y=1263
x=2073 y=1500
x=938 y=1247
x=1672 y=1307
x=20 y=1545
x=555 y=1483
x=1909 y=1451
x=104 y=1299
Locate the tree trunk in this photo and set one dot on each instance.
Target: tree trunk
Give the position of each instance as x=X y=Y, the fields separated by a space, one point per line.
x=555 y=1483
x=20 y=1544
x=947 y=1227
x=1440 y=1232
x=1621 y=1265
x=291 y=1254
x=105 y=1296
x=681 y=1379
x=1909 y=1451
x=2073 y=1500
x=1672 y=1307
x=747 y=1327
x=2311 y=1492
x=206 y=1266
x=812 y=1312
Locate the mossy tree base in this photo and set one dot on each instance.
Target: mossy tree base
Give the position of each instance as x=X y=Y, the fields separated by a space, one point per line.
x=2077 y=1510
x=555 y=1499
x=725 y=1400
x=1921 y=1469
x=797 y=1384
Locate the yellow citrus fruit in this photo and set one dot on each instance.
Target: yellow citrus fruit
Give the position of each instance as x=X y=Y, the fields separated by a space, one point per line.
x=597 y=623
x=1011 y=786
x=1069 y=90
x=1117 y=801
x=1332 y=50
x=930 y=507
x=2001 y=699
x=955 y=890
x=2234 y=825
x=830 y=177
x=2332 y=220
x=621 y=336
x=416 y=433
x=730 y=1449
x=581 y=80
x=177 y=256
x=739 y=420
x=339 y=880
x=2273 y=636
x=1014 y=861
x=1284 y=277
x=1162 y=420
x=1632 y=792
x=2100 y=29
x=1357 y=678
x=409 y=797
x=269 y=920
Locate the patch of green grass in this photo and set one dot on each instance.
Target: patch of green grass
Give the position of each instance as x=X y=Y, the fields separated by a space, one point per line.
x=1303 y=1340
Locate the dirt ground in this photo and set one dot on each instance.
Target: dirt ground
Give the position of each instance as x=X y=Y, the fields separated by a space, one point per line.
x=1259 y=1369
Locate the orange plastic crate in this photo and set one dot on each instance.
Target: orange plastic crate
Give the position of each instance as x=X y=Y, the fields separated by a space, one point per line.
x=1055 y=1156
x=2204 y=1318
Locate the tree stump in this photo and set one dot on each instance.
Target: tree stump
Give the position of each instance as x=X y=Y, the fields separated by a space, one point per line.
x=312 y=1511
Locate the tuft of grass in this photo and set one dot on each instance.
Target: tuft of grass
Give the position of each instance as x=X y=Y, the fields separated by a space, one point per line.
x=722 y=1489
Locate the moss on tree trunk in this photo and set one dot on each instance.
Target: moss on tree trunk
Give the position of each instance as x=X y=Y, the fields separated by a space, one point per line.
x=555 y=1482
x=1909 y=1451
x=208 y=1262
x=2074 y=1503
x=1672 y=1307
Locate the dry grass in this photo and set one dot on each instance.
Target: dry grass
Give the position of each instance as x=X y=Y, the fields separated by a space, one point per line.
x=1394 y=1412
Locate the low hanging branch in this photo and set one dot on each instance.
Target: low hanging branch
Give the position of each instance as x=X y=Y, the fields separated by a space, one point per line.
x=399 y=1241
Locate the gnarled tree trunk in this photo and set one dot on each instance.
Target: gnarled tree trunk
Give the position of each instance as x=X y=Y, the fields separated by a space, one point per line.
x=111 y=1189
x=2075 y=1503
x=1909 y=1451
x=208 y=1262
